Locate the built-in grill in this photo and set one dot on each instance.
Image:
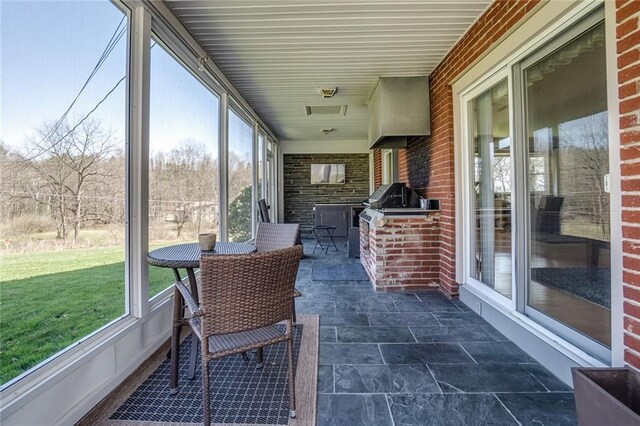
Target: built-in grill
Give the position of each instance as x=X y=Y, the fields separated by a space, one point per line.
x=393 y=196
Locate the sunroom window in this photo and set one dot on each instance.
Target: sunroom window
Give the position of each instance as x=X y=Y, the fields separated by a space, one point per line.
x=63 y=153
x=183 y=158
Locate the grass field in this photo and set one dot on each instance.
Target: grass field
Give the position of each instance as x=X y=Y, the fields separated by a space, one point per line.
x=50 y=300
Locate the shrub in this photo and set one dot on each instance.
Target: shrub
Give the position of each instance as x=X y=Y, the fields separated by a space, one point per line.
x=31 y=224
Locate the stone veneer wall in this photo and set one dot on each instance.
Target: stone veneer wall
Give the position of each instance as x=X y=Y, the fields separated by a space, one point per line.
x=300 y=195
x=403 y=254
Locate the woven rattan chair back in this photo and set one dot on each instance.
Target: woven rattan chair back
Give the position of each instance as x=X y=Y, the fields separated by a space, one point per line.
x=275 y=236
x=246 y=292
x=264 y=210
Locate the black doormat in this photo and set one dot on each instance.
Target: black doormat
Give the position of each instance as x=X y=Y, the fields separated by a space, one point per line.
x=240 y=393
x=575 y=282
x=325 y=271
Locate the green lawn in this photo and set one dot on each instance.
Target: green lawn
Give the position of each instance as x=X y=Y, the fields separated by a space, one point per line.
x=50 y=300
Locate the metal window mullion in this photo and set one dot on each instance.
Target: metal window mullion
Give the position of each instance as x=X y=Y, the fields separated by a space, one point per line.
x=255 y=169
x=137 y=289
x=520 y=214
x=223 y=166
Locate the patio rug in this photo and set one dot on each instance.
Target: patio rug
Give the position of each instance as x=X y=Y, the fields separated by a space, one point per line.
x=325 y=271
x=240 y=393
x=574 y=281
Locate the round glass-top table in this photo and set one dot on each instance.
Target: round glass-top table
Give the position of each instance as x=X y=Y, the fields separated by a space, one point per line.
x=187 y=256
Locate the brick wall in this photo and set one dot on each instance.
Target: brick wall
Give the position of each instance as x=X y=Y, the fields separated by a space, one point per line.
x=628 y=50
x=412 y=165
x=429 y=161
x=402 y=254
x=377 y=168
x=300 y=195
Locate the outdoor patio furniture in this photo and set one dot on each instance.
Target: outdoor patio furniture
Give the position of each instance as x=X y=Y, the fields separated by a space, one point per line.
x=275 y=236
x=324 y=232
x=245 y=304
x=187 y=256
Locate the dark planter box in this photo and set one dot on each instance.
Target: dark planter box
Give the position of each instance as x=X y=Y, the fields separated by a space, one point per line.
x=607 y=396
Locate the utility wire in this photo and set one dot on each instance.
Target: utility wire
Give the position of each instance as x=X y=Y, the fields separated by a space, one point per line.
x=113 y=41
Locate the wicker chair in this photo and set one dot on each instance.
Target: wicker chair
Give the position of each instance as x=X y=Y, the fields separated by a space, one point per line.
x=243 y=299
x=275 y=236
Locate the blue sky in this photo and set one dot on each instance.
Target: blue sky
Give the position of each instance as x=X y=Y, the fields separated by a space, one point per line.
x=49 y=48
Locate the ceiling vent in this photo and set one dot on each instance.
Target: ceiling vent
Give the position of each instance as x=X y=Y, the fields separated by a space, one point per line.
x=327 y=131
x=328 y=92
x=325 y=109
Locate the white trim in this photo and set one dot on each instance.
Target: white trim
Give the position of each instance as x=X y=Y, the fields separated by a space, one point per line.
x=617 y=300
x=137 y=175
x=223 y=162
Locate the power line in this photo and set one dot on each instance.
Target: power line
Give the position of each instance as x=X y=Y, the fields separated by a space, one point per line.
x=115 y=38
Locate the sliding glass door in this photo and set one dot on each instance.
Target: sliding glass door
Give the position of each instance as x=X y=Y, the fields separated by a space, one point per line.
x=565 y=104
x=538 y=193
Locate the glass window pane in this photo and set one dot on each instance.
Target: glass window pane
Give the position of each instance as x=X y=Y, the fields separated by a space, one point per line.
x=183 y=159
x=566 y=113
x=492 y=188
x=240 y=170
x=62 y=154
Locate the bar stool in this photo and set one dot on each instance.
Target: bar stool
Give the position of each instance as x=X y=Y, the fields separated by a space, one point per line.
x=318 y=233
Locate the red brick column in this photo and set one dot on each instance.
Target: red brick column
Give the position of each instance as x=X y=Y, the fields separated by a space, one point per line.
x=628 y=50
x=403 y=254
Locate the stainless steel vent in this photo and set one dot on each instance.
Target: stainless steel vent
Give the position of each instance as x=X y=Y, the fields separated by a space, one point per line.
x=398 y=108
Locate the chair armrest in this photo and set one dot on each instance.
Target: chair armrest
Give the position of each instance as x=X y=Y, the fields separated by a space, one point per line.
x=188 y=298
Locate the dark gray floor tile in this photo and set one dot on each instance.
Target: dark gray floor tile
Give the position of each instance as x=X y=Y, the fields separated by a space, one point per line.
x=349 y=353
x=495 y=333
x=353 y=410
x=484 y=378
x=449 y=410
x=423 y=353
x=431 y=295
x=402 y=319
x=396 y=296
x=374 y=335
x=328 y=334
x=344 y=319
x=312 y=307
x=557 y=409
x=427 y=307
x=325 y=379
x=364 y=306
x=453 y=333
x=384 y=379
x=546 y=377
x=499 y=352
x=459 y=318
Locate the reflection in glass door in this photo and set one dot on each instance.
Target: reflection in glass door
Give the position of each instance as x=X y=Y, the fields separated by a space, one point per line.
x=489 y=114
x=568 y=166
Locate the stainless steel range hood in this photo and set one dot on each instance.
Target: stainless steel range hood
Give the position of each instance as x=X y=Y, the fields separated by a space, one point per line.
x=398 y=108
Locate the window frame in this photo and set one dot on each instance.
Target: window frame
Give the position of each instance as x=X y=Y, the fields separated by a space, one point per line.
x=579 y=20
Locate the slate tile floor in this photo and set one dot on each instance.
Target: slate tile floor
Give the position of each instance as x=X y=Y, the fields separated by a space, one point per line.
x=419 y=359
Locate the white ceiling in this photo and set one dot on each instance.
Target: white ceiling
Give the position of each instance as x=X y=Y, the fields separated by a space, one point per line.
x=279 y=53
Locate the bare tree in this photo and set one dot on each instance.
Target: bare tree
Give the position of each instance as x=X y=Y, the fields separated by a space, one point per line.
x=183 y=185
x=69 y=163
